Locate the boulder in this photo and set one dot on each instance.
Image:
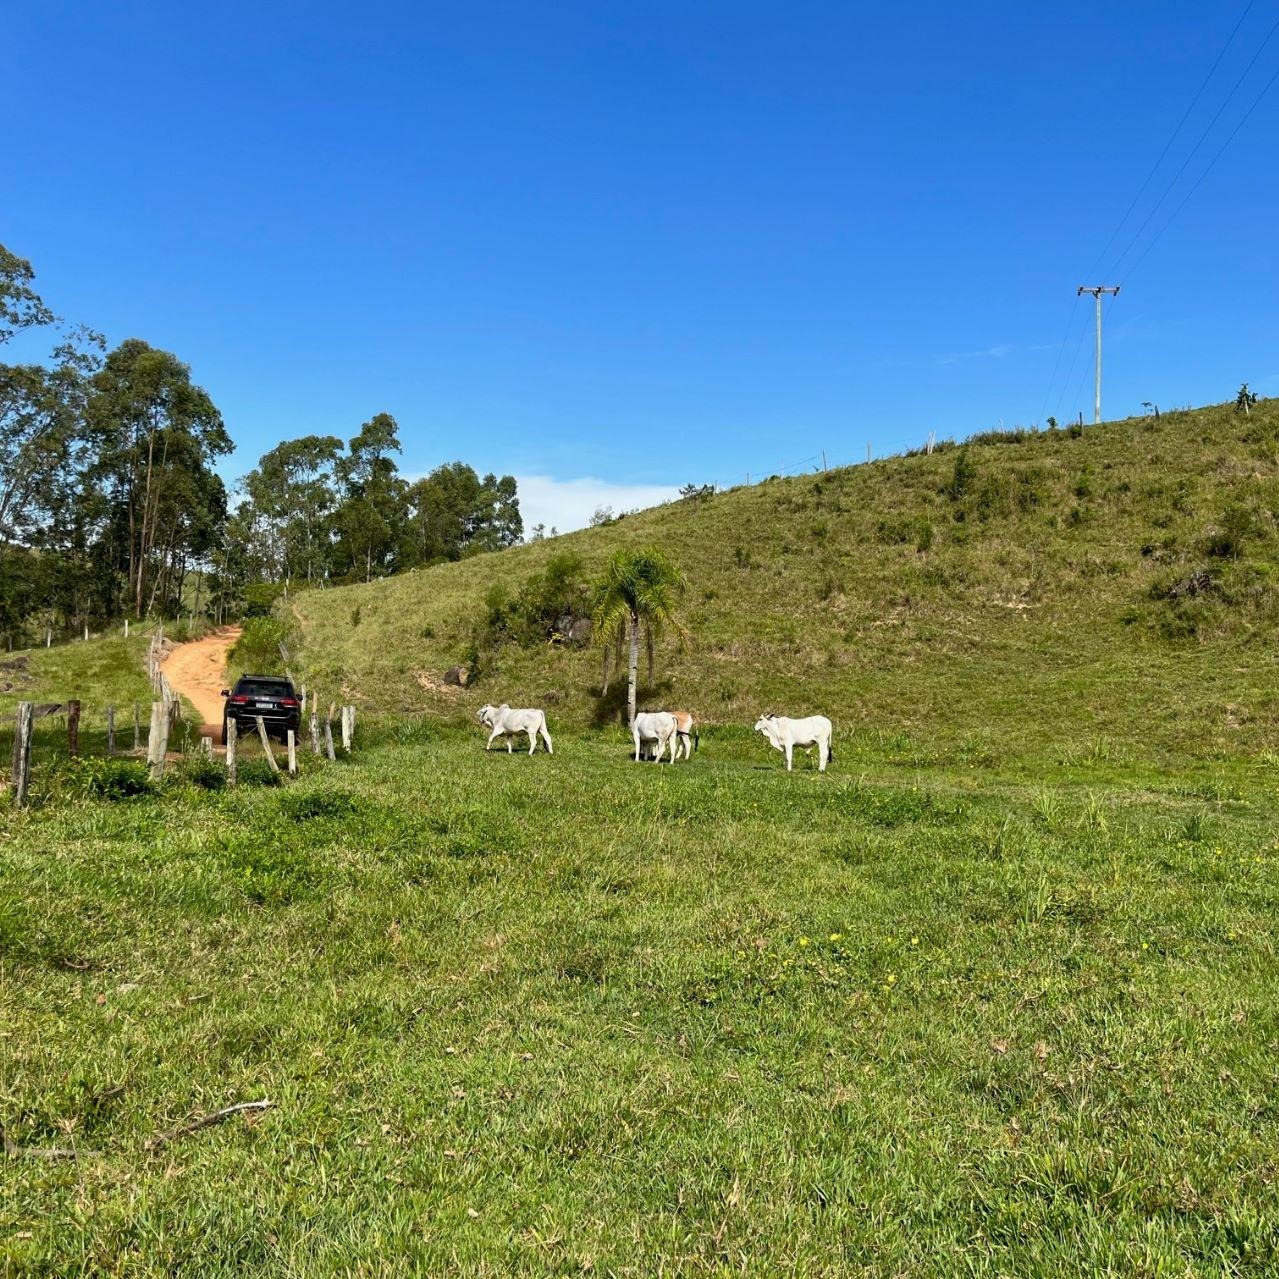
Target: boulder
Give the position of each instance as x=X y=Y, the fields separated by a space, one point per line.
x=458 y=676
x=580 y=631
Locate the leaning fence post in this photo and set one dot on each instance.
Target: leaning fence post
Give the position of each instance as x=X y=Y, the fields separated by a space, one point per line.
x=110 y=729
x=293 y=753
x=266 y=744
x=231 y=734
x=22 y=753
x=73 y=727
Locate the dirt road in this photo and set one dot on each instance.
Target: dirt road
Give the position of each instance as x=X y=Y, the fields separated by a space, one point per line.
x=198 y=672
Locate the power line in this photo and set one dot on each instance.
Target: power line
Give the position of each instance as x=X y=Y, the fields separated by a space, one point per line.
x=1074 y=359
x=1052 y=381
x=1199 y=180
x=1193 y=151
x=1154 y=168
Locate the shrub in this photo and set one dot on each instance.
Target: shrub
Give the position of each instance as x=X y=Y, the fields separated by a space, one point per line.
x=897 y=530
x=260 y=597
x=698 y=492
x=112 y=779
x=258 y=648
x=256 y=772
x=1236 y=528
x=204 y=772
x=963 y=477
x=532 y=614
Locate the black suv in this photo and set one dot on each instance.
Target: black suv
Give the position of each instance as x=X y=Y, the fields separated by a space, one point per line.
x=270 y=696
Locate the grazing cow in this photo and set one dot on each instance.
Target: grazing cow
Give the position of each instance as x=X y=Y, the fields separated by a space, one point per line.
x=785 y=734
x=504 y=722
x=655 y=726
x=686 y=733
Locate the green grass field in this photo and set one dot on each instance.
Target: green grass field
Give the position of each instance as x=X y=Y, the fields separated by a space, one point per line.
x=993 y=997
x=920 y=1016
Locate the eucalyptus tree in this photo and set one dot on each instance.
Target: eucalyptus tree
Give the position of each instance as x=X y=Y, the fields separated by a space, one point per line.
x=153 y=436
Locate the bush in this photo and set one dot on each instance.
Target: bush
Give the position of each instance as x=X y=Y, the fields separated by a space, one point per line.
x=1236 y=528
x=534 y=613
x=898 y=530
x=256 y=772
x=112 y=779
x=204 y=772
x=260 y=597
x=258 y=648
x=963 y=477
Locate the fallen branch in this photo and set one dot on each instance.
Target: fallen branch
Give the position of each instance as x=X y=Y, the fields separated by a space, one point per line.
x=206 y=1121
x=13 y=1151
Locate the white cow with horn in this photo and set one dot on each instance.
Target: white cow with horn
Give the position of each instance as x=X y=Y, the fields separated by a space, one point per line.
x=505 y=722
x=785 y=734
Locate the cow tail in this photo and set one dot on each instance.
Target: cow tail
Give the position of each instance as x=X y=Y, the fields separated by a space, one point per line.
x=697 y=740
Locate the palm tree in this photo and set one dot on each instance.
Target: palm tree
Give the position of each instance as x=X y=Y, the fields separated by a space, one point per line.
x=641 y=588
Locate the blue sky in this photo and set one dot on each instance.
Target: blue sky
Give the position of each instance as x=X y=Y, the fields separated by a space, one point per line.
x=621 y=247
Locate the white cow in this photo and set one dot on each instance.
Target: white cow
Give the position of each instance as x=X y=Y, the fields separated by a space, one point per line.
x=687 y=733
x=655 y=726
x=504 y=722
x=785 y=734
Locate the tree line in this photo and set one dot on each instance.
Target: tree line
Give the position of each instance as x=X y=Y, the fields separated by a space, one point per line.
x=111 y=503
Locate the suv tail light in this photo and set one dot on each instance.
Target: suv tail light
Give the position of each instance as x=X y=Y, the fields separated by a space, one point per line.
x=238 y=700
x=288 y=701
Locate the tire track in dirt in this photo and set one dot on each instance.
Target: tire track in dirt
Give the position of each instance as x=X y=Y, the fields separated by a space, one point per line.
x=197 y=671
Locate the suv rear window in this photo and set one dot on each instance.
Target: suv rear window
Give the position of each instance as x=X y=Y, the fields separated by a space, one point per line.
x=264 y=688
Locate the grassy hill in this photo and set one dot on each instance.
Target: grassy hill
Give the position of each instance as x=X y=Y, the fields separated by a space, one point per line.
x=1109 y=590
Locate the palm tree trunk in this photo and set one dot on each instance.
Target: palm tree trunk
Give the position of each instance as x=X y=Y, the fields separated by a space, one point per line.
x=633 y=670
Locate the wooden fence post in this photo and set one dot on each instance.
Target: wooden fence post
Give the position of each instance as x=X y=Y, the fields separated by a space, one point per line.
x=293 y=753
x=22 y=753
x=137 y=728
x=231 y=734
x=206 y=747
x=266 y=744
x=160 y=732
x=346 y=730
x=153 y=732
x=315 y=732
x=110 y=729
x=126 y=628
x=73 y=727
x=328 y=737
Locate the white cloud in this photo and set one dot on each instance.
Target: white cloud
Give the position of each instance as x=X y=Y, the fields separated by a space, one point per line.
x=569 y=504
x=987 y=353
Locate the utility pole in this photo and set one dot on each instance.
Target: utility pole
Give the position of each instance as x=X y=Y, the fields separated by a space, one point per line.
x=1097 y=290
